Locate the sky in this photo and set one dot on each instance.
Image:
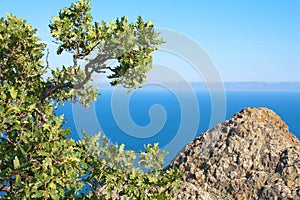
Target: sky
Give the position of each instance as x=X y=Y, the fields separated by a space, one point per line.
x=247 y=41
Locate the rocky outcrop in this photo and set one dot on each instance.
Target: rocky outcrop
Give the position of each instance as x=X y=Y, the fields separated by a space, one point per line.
x=250 y=156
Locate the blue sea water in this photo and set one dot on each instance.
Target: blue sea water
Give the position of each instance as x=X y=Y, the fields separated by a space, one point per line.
x=163 y=113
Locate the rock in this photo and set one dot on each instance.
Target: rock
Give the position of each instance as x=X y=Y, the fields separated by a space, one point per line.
x=250 y=156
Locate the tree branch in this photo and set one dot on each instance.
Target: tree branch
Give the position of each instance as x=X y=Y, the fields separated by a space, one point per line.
x=53 y=88
x=43 y=116
x=56 y=105
x=4 y=188
x=47 y=61
x=100 y=59
x=8 y=140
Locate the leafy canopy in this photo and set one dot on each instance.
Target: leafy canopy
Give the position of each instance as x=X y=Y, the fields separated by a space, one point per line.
x=37 y=160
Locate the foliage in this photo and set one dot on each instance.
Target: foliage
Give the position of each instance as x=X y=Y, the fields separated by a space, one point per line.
x=115 y=171
x=37 y=160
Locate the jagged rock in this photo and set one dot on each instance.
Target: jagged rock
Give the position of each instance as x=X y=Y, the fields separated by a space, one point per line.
x=250 y=156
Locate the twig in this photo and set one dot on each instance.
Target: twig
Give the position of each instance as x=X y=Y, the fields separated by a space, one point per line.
x=47 y=61
x=11 y=142
x=41 y=114
x=56 y=105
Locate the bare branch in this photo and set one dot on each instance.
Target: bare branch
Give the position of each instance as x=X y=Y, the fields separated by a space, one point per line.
x=8 y=140
x=41 y=114
x=47 y=61
x=56 y=105
x=5 y=188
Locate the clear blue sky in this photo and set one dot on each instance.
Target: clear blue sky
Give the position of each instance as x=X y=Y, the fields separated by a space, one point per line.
x=247 y=40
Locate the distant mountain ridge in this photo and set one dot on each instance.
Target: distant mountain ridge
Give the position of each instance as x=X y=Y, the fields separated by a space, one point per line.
x=251 y=86
x=227 y=86
x=263 y=86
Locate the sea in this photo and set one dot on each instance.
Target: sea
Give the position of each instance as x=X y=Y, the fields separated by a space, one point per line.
x=172 y=119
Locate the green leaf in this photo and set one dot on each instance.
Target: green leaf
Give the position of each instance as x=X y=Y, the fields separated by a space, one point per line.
x=13 y=93
x=52 y=185
x=18 y=180
x=31 y=107
x=16 y=162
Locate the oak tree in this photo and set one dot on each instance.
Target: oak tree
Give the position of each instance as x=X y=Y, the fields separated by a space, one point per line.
x=37 y=159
